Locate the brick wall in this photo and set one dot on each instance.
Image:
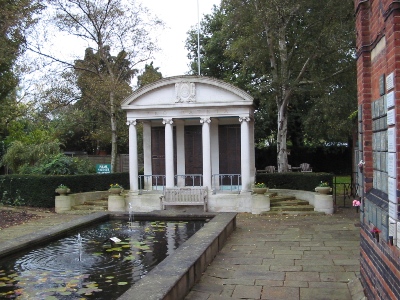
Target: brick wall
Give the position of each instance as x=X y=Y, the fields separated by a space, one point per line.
x=378 y=76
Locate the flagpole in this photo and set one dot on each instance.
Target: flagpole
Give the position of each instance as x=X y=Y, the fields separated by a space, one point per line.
x=198 y=38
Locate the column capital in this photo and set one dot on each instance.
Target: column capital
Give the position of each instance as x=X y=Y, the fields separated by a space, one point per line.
x=205 y=120
x=244 y=118
x=167 y=121
x=131 y=122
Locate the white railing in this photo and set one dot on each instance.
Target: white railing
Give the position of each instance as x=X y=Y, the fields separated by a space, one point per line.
x=226 y=182
x=220 y=182
x=151 y=183
x=189 y=180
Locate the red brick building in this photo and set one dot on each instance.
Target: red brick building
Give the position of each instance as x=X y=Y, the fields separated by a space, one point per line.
x=378 y=74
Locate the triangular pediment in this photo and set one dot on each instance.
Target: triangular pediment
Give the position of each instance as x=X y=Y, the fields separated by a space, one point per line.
x=187 y=91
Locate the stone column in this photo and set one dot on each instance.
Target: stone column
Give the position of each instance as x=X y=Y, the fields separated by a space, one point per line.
x=133 y=156
x=180 y=152
x=206 y=138
x=215 y=154
x=245 y=153
x=147 y=162
x=169 y=153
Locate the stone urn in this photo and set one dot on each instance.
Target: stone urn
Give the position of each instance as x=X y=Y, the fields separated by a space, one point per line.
x=62 y=191
x=325 y=190
x=115 y=190
x=260 y=190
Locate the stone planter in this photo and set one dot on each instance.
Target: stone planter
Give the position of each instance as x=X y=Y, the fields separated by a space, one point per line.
x=260 y=204
x=116 y=202
x=62 y=191
x=323 y=203
x=325 y=190
x=63 y=203
x=260 y=190
x=115 y=190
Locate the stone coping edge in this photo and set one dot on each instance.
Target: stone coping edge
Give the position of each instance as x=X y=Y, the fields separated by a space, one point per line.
x=173 y=278
x=41 y=237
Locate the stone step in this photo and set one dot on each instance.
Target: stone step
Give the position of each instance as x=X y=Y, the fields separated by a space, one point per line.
x=282 y=198
x=292 y=213
x=289 y=202
x=102 y=202
x=90 y=207
x=293 y=208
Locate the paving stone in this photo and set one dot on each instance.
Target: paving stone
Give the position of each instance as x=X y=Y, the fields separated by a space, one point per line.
x=319 y=262
x=280 y=293
x=285 y=268
x=259 y=274
x=317 y=268
x=344 y=262
x=302 y=276
x=324 y=294
x=247 y=292
x=280 y=261
x=293 y=283
x=269 y=282
x=328 y=285
x=338 y=276
x=241 y=281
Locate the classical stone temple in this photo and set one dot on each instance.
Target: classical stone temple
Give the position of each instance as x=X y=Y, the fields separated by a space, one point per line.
x=197 y=131
x=378 y=76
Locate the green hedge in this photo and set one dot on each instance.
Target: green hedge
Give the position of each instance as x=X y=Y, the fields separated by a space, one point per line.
x=38 y=190
x=294 y=180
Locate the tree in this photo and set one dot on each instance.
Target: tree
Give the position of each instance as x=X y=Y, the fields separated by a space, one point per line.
x=15 y=19
x=149 y=75
x=121 y=24
x=292 y=52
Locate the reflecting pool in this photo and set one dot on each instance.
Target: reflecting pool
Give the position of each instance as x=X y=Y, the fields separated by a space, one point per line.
x=98 y=262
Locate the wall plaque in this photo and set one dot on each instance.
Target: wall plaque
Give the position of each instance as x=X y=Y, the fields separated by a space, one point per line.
x=393 y=228
x=382 y=84
x=393 y=210
x=391 y=120
x=390 y=81
x=398 y=234
x=392 y=190
x=391 y=139
x=390 y=99
x=391 y=165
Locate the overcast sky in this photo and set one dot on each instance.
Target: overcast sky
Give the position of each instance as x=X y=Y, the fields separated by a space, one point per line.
x=179 y=16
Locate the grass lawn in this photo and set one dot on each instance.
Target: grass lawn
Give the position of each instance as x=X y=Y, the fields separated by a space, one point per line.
x=340 y=180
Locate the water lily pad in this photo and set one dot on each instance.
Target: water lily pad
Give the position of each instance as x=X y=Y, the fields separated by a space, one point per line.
x=122 y=283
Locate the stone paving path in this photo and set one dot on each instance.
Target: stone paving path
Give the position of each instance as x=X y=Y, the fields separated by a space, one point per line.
x=270 y=257
x=287 y=257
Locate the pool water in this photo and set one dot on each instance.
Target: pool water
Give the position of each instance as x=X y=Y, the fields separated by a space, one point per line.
x=96 y=267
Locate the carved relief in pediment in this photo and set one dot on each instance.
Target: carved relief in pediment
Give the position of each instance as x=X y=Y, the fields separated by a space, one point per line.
x=185 y=92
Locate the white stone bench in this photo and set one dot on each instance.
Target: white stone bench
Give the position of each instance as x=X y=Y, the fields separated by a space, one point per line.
x=184 y=196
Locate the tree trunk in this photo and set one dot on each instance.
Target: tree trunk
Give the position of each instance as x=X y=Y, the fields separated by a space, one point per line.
x=281 y=137
x=113 y=133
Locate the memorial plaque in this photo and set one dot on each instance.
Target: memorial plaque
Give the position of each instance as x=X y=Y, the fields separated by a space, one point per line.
x=392 y=190
x=391 y=139
x=390 y=81
x=390 y=99
x=398 y=234
x=391 y=120
x=393 y=210
x=379 y=217
x=391 y=165
x=382 y=84
x=393 y=228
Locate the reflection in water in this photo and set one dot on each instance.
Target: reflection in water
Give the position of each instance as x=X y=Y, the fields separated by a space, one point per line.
x=88 y=265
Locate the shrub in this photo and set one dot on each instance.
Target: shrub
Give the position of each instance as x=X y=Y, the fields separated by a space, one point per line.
x=39 y=190
x=294 y=180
